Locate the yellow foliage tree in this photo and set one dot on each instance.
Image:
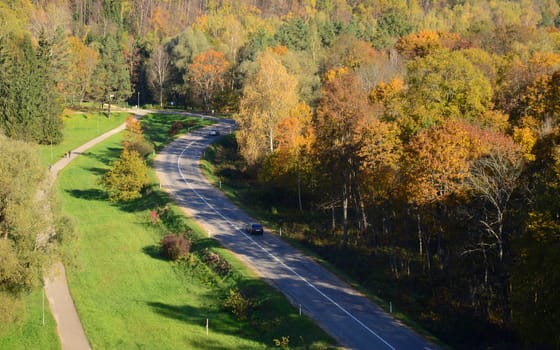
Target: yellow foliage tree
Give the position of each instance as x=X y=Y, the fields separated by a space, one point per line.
x=295 y=137
x=269 y=95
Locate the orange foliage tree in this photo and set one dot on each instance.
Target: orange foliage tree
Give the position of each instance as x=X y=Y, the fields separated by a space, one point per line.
x=425 y=42
x=343 y=105
x=295 y=137
x=207 y=74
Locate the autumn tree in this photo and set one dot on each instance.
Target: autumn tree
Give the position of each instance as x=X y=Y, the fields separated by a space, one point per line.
x=295 y=137
x=83 y=62
x=380 y=151
x=343 y=105
x=418 y=44
x=494 y=178
x=435 y=167
x=426 y=42
x=350 y=52
x=126 y=178
x=207 y=75
x=541 y=99
x=269 y=95
x=523 y=80
x=445 y=85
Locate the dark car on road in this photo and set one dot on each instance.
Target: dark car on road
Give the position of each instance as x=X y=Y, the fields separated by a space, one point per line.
x=254 y=229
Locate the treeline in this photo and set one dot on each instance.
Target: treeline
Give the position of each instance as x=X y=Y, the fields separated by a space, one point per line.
x=433 y=176
x=427 y=128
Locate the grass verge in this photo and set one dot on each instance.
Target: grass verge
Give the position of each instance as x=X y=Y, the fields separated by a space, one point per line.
x=29 y=332
x=129 y=297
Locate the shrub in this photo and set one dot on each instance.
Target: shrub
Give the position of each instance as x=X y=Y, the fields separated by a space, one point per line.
x=175 y=128
x=127 y=176
x=175 y=247
x=141 y=146
x=216 y=262
x=154 y=216
x=238 y=304
x=283 y=343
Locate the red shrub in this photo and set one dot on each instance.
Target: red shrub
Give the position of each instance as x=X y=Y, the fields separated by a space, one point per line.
x=175 y=246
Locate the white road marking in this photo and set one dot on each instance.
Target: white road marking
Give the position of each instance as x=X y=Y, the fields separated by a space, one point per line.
x=348 y=313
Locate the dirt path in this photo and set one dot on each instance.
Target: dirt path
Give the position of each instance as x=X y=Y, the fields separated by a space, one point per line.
x=69 y=327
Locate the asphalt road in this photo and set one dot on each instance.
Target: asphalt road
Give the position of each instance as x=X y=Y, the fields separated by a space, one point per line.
x=345 y=314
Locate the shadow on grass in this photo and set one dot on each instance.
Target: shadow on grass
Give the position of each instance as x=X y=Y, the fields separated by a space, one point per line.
x=203 y=243
x=154 y=252
x=91 y=194
x=219 y=323
x=107 y=156
x=97 y=171
x=151 y=199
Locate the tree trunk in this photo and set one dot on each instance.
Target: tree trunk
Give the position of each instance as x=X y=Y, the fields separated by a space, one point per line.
x=362 y=208
x=420 y=246
x=299 y=189
x=333 y=219
x=345 y=213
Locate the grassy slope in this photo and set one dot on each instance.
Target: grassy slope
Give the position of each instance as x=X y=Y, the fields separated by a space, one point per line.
x=128 y=297
x=78 y=129
x=29 y=332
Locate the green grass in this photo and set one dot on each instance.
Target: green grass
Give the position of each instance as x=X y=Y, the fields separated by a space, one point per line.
x=156 y=127
x=129 y=297
x=29 y=332
x=78 y=129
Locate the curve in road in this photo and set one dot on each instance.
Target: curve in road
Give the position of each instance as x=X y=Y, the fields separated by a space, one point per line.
x=345 y=314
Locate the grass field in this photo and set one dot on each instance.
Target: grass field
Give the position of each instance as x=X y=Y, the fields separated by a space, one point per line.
x=128 y=297
x=78 y=129
x=29 y=332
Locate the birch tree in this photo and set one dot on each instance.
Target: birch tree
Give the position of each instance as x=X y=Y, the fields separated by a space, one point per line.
x=270 y=93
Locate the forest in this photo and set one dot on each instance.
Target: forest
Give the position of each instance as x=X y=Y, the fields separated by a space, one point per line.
x=426 y=131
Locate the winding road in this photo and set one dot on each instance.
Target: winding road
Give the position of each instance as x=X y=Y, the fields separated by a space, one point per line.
x=342 y=312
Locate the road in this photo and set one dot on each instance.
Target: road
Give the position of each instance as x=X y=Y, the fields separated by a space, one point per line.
x=342 y=312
